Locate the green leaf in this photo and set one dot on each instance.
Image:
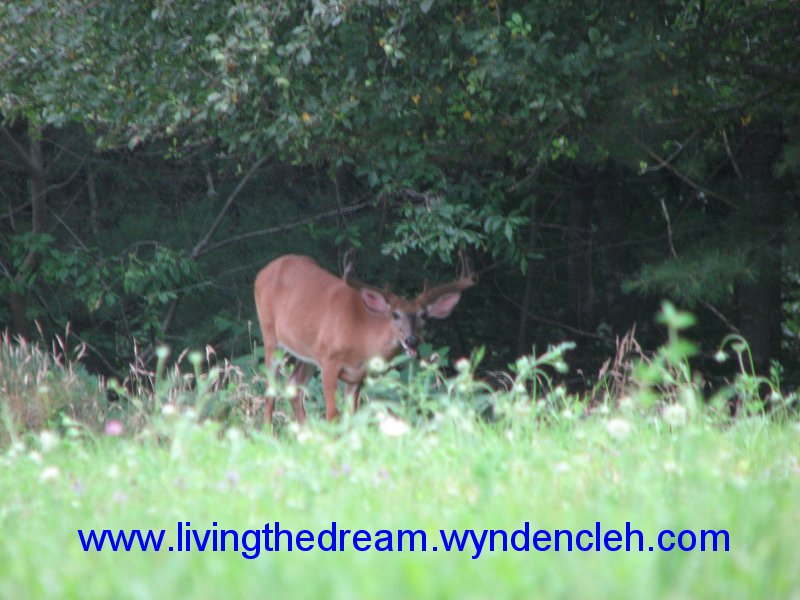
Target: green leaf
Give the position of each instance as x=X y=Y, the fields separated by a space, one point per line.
x=674 y=318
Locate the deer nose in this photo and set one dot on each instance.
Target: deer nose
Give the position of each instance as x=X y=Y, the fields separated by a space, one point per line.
x=412 y=341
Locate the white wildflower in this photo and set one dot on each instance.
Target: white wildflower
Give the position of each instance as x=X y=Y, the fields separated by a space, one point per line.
x=376 y=365
x=50 y=473
x=625 y=403
x=304 y=435
x=561 y=467
x=674 y=415
x=393 y=427
x=618 y=428
x=48 y=440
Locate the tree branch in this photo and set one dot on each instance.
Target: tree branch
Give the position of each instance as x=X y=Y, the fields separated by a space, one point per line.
x=30 y=165
x=730 y=155
x=667 y=165
x=705 y=303
x=198 y=250
x=665 y=212
x=280 y=228
x=546 y=321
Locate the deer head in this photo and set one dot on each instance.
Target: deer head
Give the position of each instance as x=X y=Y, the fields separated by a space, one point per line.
x=408 y=316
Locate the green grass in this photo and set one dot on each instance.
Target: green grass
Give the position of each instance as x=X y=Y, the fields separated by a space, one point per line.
x=457 y=473
x=647 y=445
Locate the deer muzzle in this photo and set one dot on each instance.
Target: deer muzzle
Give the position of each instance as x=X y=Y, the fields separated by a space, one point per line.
x=410 y=345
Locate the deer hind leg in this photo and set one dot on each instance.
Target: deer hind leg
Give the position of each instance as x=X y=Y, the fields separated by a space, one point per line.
x=270 y=342
x=299 y=378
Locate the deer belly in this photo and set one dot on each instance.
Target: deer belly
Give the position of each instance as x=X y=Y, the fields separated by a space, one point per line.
x=352 y=374
x=297 y=355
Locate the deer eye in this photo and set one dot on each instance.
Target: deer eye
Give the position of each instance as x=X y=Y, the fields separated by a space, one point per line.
x=395 y=314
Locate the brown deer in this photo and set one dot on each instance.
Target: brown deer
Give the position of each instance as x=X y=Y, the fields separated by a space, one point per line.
x=338 y=324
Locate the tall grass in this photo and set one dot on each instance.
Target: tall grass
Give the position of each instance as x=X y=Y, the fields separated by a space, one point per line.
x=431 y=449
x=39 y=387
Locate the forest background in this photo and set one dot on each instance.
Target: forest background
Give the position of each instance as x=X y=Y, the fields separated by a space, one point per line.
x=593 y=159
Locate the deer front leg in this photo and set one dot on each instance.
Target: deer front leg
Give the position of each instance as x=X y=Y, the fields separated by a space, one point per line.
x=271 y=367
x=299 y=378
x=353 y=390
x=330 y=378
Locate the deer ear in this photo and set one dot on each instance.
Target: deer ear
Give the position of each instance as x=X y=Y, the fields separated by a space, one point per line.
x=374 y=301
x=443 y=305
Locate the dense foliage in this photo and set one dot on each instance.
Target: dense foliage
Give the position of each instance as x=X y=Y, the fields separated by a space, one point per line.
x=594 y=157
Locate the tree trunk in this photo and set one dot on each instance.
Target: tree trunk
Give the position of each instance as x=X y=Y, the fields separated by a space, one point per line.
x=759 y=298
x=522 y=335
x=612 y=226
x=32 y=163
x=580 y=288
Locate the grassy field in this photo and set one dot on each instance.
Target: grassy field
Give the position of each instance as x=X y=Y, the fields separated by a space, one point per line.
x=570 y=474
x=657 y=458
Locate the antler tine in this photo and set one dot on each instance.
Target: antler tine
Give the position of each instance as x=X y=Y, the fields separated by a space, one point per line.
x=349 y=270
x=466 y=279
x=466 y=270
x=348 y=264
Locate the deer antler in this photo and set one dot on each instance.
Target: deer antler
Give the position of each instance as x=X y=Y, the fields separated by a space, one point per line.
x=466 y=279
x=348 y=264
x=349 y=270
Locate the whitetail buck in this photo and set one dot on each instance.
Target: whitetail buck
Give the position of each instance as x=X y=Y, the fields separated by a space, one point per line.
x=338 y=324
